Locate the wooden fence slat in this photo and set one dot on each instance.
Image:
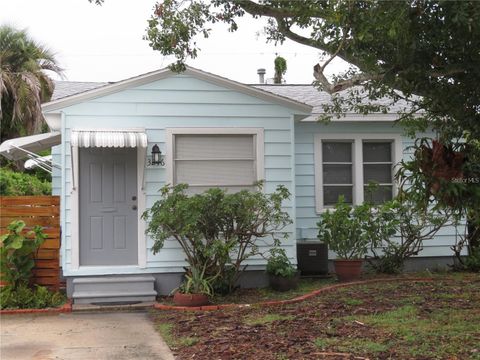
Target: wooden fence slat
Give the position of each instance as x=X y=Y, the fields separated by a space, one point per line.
x=51 y=233
x=51 y=282
x=46 y=254
x=53 y=243
x=44 y=272
x=46 y=264
x=43 y=211
x=30 y=211
x=29 y=200
x=30 y=221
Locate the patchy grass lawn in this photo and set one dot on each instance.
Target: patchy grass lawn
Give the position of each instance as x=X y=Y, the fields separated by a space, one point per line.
x=395 y=320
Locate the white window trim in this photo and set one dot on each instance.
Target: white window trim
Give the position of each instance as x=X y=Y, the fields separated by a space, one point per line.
x=259 y=145
x=357 y=159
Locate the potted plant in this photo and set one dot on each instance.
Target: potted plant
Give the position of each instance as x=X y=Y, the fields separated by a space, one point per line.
x=195 y=289
x=343 y=231
x=283 y=276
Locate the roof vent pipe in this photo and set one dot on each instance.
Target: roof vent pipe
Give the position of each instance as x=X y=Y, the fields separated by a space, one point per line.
x=261 y=75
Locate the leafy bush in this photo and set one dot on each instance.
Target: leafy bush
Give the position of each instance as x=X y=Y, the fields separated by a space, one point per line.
x=279 y=265
x=17 y=249
x=472 y=261
x=411 y=227
x=218 y=231
x=347 y=229
x=24 y=297
x=17 y=184
x=16 y=253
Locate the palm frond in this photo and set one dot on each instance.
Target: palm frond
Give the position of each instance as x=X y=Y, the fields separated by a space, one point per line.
x=24 y=81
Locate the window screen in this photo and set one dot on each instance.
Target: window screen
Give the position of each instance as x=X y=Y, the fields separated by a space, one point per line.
x=337 y=171
x=205 y=161
x=377 y=168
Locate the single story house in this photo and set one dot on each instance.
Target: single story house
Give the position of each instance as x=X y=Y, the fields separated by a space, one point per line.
x=211 y=131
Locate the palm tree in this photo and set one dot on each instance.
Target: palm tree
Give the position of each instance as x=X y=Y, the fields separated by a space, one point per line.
x=24 y=83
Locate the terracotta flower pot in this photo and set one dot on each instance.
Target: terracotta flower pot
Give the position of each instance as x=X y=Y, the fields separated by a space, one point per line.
x=280 y=283
x=348 y=270
x=182 y=299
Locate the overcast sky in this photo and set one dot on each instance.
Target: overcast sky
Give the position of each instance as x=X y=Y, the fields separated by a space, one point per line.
x=104 y=43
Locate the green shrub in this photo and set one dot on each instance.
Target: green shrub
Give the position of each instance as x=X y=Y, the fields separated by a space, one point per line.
x=279 y=265
x=411 y=226
x=348 y=230
x=16 y=252
x=472 y=261
x=24 y=297
x=18 y=184
x=218 y=231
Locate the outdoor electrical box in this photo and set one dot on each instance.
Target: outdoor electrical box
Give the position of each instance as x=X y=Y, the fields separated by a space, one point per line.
x=312 y=257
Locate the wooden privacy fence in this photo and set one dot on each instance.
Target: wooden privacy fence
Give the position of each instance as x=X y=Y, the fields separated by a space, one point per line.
x=43 y=211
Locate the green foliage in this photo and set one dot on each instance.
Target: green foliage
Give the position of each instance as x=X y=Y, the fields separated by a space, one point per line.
x=17 y=184
x=408 y=226
x=472 y=261
x=420 y=56
x=279 y=265
x=393 y=231
x=445 y=177
x=23 y=297
x=423 y=48
x=217 y=231
x=280 y=69
x=347 y=229
x=16 y=253
x=24 y=84
x=196 y=282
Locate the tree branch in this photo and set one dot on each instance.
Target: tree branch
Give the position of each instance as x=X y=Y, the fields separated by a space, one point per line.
x=256 y=9
x=332 y=88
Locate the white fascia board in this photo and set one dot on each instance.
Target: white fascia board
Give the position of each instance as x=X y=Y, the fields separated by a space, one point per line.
x=297 y=107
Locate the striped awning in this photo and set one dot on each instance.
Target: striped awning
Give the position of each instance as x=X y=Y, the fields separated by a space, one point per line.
x=108 y=138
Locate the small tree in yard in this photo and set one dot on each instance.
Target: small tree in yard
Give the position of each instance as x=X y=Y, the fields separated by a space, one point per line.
x=218 y=231
x=400 y=229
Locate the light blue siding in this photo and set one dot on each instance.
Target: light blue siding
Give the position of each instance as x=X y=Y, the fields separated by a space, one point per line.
x=183 y=101
x=306 y=215
x=56 y=172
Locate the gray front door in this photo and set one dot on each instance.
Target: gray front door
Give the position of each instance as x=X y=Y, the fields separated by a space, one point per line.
x=108 y=206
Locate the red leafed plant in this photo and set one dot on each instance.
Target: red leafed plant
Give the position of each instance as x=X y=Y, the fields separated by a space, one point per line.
x=440 y=162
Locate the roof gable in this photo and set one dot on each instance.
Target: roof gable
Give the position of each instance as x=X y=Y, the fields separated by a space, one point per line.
x=110 y=88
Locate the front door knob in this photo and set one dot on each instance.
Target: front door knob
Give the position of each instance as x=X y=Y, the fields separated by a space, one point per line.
x=134 y=207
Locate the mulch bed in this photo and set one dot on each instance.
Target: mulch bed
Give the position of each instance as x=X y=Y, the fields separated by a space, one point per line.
x=235 y=333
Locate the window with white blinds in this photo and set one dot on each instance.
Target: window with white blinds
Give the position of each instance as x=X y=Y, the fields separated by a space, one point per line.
x=215 y=160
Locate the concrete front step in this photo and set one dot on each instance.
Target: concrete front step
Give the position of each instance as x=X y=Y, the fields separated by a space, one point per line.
x=141 y=306
x=113 y=289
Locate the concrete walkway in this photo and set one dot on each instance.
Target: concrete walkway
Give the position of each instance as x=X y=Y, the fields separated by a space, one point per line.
x=82 y=336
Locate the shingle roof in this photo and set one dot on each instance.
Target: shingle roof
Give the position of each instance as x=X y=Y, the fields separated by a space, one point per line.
x=68 y=88
x=312 y=96
x=304 y=93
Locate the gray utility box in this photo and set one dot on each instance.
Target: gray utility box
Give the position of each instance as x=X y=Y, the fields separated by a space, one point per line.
x=312 y=257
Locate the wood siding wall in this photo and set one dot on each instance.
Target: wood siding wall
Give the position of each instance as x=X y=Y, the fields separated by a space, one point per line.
x=43 y=211
x=307 y=217
x=181 y=101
